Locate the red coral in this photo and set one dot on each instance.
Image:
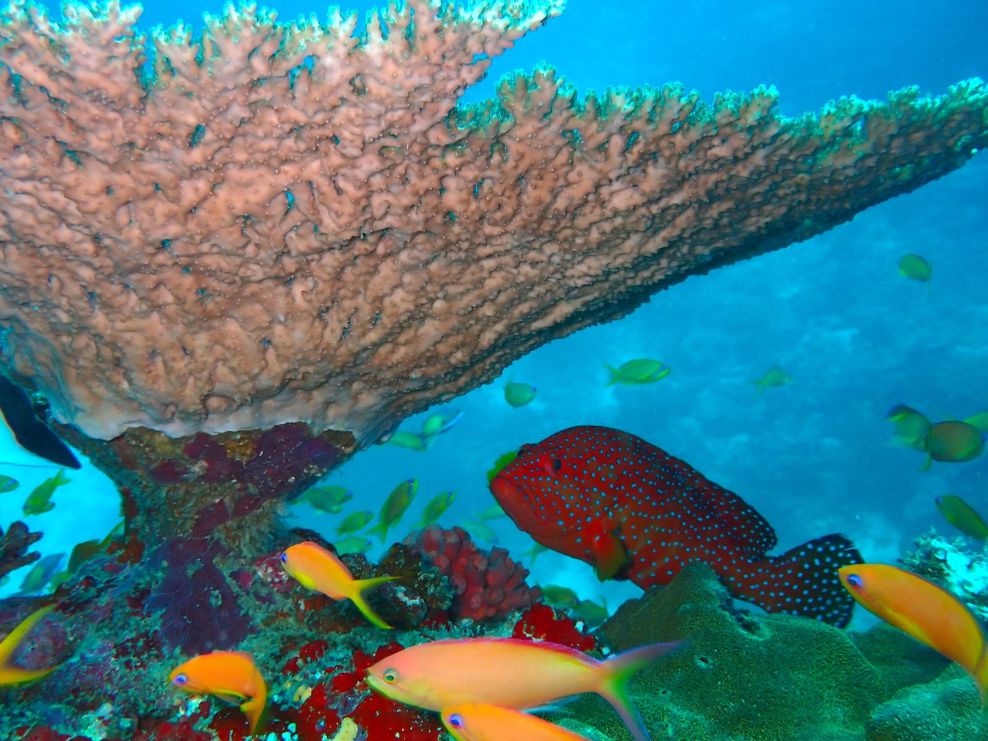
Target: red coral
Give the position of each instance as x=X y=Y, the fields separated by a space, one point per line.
x=488 y=584
x=315 y=717
x=308 y=653
x=542 y=623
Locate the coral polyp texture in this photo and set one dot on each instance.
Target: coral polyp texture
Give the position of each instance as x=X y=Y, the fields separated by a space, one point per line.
x=289 y=222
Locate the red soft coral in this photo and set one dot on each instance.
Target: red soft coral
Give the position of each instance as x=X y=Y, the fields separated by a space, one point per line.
x=488 y=584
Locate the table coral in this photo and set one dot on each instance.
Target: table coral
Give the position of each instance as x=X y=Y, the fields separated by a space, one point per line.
x=284 y=222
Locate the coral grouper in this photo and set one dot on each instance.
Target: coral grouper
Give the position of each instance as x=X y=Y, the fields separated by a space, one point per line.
x=635 y=512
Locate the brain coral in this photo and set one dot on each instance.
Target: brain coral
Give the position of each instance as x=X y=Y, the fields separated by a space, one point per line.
x=285 y=222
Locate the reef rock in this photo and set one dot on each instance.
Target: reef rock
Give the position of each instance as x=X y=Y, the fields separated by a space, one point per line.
x=748 y=677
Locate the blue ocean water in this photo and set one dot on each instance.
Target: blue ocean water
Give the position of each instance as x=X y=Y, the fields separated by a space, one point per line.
x=814 y=456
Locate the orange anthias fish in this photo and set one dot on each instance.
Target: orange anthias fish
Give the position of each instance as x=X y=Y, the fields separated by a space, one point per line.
x=10 y=674
x=928 y=613
x=635 y=512
x=229 y=675
x=317 y=569
x=510 y=673
x=478 y=721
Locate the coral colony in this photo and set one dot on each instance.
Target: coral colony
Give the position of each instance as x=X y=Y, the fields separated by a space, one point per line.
x=227 y=263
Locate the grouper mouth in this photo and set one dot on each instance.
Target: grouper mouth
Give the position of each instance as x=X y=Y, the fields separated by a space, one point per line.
x=518 y=504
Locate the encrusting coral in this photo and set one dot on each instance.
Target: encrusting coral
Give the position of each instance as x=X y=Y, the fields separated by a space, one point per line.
x=285 y=222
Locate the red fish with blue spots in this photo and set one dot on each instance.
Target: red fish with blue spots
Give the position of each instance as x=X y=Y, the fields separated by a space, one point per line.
x=635 y=512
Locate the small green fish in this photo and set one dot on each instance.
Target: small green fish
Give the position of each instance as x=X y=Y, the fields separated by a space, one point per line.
x=638 y=372
x=774 y=377
x=502 y=460
x=480 y=531
x=410 y=440
x=352 y=544
x=963 y=516
x=562 y=598
x=911 y=426
x=438 y=423
x=40 y=574
x=39 y=500
x=83 y=552
x=534 y=552
x=435 y=508
x=954 y=442
x=329 y=499
x=394 y=507
x=915 y=267
x=491 y=513
x=8 y=484
x=519 y=394
x=590 y=612
x=355 y=521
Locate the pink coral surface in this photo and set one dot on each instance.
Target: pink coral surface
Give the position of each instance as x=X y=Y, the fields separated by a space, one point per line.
x=284 y=222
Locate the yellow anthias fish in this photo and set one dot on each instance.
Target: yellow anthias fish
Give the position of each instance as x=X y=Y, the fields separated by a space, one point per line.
x=317 y=569
x=10 y=674
x=510 y=673
x=928 y=613
x=478 y=721
x=229 y=675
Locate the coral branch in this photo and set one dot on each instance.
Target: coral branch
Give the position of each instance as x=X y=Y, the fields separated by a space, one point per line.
x=14 y=545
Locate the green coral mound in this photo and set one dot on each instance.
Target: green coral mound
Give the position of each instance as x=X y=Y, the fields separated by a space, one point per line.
x=743 y=677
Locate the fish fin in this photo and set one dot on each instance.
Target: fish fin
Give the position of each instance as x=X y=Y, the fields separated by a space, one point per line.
x=256 y=709
x=12 y=674
x=613 y=373
x=803 y=581
x=381 y=529
x=981 y=678
x=359 y=586
x=927 y=463
x=610 y=556
x=227 y=697
x=618 y=670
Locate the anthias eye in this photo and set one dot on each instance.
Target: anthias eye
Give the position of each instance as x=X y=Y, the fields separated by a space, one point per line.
x=180 y=679
x=456 y=720
x=390 y=676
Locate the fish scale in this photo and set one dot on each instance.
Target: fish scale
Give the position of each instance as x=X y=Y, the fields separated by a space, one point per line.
x=586 y=483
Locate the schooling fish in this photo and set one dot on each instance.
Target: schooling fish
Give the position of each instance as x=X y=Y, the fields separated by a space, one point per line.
x=394 y=507
x=511 y=673
x=10 y=674
x=32 y=443
x=634 y=512
x=479 y=721
x=230 y=676
x=928 y=613
x=638 y=372
x=317 y=569
x=963 y=516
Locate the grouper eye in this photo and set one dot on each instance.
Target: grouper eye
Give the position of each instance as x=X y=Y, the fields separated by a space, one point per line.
x=390 y=676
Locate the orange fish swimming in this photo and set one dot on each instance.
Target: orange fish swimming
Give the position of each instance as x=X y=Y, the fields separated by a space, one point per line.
x=229 y=675
x=9 y=674
x=928 y=613
x=511 y=673
x=317 y=569
x=478 y=721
